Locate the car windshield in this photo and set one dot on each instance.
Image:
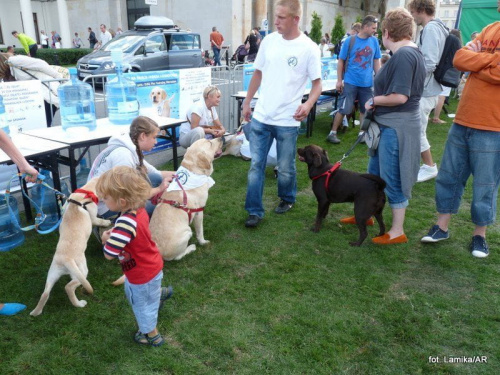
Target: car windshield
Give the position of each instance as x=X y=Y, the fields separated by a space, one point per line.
x=126 y=43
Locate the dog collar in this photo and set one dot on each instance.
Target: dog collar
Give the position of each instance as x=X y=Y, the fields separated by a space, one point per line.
x=88 y=194
x=328 y=173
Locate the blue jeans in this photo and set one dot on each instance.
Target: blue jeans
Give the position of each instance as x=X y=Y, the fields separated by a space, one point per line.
x=216 y=55
x=470 y=151
x=352 y=93
x=261 y=138
x=385 y=164
x=145 y=301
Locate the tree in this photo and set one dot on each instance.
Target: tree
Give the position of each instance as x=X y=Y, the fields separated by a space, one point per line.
x=338 y=30
x=316 y=26
x=359 y=19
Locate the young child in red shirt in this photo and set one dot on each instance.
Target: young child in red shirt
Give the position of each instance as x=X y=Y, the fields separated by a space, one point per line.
x=125 y=190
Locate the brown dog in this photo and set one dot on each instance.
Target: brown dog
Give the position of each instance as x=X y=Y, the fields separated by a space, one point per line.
x=80 y=213
x=338 y=186
x=170 y=223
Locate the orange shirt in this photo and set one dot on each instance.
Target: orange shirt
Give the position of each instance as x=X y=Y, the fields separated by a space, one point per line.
x=217 y=38
x=479 y=106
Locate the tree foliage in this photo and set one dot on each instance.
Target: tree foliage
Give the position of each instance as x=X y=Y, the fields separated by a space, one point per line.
x=338 y=30
x=316 y=26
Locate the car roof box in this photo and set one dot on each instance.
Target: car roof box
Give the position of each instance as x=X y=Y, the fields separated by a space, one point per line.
x=153 y=22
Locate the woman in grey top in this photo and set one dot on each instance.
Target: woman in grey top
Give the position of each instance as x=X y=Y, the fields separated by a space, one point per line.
x=398 y=87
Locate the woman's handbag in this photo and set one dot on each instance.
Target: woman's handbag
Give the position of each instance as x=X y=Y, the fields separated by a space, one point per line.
x=371 y=129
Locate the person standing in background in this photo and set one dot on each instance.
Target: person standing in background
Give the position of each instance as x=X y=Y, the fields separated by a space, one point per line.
x=44 y=39
x=28 y=44
x=105 y=36
x=55 y=38
x=92 y=39
x=119 y=31
x=216 y=40
x=77 y=41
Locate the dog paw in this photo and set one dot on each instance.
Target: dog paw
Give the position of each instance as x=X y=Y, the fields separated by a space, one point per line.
x=82 y=303
x=314 y=229
x=354 y=244
x=106 y=223
x=203 y=242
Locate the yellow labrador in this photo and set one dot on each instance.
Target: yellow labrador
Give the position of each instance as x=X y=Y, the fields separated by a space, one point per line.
x=80 y=213
x=178 y=208
x=160 y=101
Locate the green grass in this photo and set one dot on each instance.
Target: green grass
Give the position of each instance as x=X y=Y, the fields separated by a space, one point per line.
x=279 y=299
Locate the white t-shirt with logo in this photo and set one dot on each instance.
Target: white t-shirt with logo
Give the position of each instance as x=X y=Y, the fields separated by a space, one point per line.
x=207 y=116
x=286 y=67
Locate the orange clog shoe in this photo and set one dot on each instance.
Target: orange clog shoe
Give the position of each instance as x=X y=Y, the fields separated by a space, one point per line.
x=386 y=239
x=352 y=220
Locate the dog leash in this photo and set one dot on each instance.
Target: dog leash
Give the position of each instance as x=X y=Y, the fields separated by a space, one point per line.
x=360 y=137
x=40 y=216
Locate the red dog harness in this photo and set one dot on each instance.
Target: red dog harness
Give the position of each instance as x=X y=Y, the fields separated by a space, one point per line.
x=183 y=206
x=328 y=173
x=88 y=194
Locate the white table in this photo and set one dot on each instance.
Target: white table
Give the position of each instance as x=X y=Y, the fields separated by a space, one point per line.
x=100 y=135
x=39 y=152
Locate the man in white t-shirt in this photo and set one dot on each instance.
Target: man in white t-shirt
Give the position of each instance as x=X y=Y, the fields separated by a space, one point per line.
x=105 y=36
x=285 y=62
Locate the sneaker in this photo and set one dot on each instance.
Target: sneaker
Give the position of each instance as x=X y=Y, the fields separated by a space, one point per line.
x=435 y=234
x=362 y=140
x=332 y=138
x=427 y=172
x=252 y=221
x=479 y=247
x=283 y=207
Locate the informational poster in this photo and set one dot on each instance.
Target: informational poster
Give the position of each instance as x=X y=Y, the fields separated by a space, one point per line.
x=329 y=72
x=248 y=70
x=23 y=105
x=169 y=93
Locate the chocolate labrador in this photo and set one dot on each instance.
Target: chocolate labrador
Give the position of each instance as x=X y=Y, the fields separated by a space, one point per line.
x=331 y=184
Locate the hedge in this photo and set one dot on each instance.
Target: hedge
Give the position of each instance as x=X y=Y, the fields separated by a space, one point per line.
x=60 y=56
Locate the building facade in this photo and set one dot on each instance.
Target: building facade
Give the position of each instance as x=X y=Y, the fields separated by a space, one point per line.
x=233 y=18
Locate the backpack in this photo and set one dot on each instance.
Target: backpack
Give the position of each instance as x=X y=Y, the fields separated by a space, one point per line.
x=446 y=74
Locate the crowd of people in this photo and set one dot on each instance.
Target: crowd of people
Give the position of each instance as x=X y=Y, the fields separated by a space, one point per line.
x=400 y=94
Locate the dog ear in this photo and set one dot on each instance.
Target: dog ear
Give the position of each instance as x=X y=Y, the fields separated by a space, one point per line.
x=316 y=159
x=326 y=154
x=204 y=162
x=163 y=94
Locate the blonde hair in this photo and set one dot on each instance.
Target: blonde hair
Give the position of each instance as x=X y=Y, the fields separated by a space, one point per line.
x=209 y=90
x=126 y=183
x=141 y=124
x=294 y=7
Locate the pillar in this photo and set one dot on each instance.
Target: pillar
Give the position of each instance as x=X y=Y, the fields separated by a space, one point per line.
x=64 y=33
x=28 y=22
x=259 y=12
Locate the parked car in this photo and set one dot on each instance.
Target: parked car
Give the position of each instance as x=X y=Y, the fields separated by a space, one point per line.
x=154 y=44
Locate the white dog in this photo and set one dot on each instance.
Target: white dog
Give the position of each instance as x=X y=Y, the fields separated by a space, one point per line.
x=80 y=213
x=160 y=101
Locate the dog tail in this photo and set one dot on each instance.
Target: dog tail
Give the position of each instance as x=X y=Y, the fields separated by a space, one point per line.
x=376 y=179
x=119 y=281
x=74 y=270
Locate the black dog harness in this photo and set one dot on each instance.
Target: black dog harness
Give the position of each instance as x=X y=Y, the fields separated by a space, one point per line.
x=328 y=173
x=183 y=206
x=88 y=194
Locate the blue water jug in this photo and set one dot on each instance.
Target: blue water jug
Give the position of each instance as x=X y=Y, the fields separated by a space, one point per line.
x=77 y=105
x=121 y=94
x=83 y=173
x=10 y=235
x=49 y=205
x=4 y=125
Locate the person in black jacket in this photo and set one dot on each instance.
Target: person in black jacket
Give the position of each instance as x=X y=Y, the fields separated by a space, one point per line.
x=254 y=47
x=92 y=38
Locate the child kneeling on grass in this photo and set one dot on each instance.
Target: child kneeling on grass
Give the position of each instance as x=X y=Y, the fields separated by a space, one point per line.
x=124 y=190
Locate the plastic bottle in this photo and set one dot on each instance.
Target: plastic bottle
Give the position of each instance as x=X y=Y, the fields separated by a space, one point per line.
x=77 y=105
x=121 y=94
x=49 y=206
x=10 y=236
x=4 y=125
x=81 y=176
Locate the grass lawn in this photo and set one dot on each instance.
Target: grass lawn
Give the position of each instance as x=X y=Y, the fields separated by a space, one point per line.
x=278 y=299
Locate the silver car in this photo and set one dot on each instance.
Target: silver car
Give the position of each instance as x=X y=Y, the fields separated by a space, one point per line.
x=154 y=44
